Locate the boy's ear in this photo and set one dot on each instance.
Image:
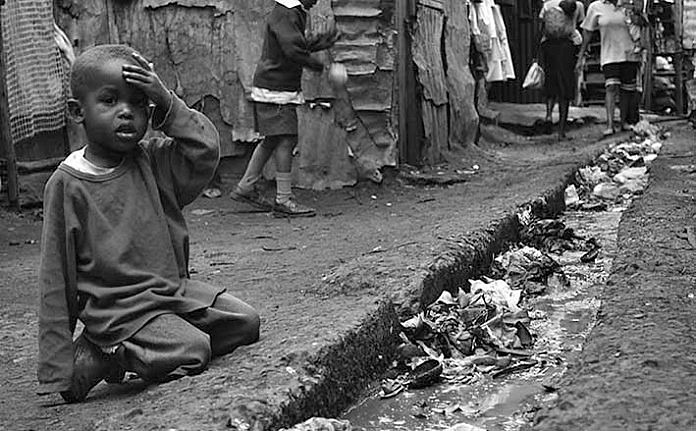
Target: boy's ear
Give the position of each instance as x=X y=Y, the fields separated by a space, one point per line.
x=75 y=110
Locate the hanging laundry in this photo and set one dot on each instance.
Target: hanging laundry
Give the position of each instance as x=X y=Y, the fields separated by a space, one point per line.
x=490 y=38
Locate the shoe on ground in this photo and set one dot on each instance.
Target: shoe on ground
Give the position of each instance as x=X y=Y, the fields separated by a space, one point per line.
x=253 y=198
x=291 y=208
x=90 y=366
x=608 y=132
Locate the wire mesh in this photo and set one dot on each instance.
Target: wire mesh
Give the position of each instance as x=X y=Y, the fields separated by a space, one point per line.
x=35 y=71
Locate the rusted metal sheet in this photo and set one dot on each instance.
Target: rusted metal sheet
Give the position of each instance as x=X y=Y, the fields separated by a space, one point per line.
x=435 y=4
x=463 y=121
x=324 y=156
x=221 y=6
x=207 y=50
x=431 y=74
x=427 y=55
x=689 y=24
x=435 y=125
x=197 y=51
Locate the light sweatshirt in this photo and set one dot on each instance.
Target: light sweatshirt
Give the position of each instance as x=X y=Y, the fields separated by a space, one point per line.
x=115 y=246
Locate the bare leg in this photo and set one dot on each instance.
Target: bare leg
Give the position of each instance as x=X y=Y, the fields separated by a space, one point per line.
x=628 y=105
x=563 y=106
x=550 y=102
x=283 y=154
x=610 y=104
x=259 y=157
x=285 y=204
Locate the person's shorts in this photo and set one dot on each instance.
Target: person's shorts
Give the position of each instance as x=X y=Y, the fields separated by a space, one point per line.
x=624 y=74
x=271 y=119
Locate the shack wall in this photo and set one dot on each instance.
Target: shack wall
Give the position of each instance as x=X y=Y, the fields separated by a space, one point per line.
x=206 y=50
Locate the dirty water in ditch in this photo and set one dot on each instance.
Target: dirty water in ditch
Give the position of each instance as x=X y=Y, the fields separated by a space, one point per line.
x=561 y=320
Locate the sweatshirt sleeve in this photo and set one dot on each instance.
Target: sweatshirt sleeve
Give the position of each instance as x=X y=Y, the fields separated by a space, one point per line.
x=187 y=158
x=58 y=302
x=290 y=36
x=591 y=21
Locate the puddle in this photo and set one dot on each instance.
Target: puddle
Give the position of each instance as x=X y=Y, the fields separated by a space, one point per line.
x=563 y=317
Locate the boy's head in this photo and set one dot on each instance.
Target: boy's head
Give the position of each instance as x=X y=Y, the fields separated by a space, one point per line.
x=113 y=113
x=308 y=4
x=568 y=7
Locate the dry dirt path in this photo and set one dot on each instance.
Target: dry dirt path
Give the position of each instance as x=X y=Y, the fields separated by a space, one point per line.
x=367 y=246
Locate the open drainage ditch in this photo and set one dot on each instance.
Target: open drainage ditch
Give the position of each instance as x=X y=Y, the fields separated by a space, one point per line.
x=481 y=360
x=561 y=318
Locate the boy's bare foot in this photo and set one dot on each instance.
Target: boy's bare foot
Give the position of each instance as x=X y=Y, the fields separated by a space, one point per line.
x=90 y=366
x=291 y=208
x=253 y=198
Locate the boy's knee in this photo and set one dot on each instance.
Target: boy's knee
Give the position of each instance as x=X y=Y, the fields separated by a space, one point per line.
x=198 y=352
x=188 y=358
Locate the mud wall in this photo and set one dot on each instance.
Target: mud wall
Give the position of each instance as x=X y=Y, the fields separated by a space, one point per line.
x=206 y=50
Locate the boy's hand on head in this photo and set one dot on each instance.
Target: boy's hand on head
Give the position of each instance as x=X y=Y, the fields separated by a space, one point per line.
x=144 y=77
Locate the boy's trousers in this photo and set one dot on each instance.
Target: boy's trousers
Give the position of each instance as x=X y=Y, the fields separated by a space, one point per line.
x=172 y=345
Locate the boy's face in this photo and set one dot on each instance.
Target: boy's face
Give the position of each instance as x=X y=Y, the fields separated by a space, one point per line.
x=113 y=113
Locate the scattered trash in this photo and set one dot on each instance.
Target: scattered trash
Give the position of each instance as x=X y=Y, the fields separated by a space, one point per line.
x=212 y=192
x=608 y=191
x=520 y=266
x=465 y=427
x=202 y=212
x=390 y=388
x=481 y=331
x=571 y=196
x=321 y=424
x=425 y=374
x=627 y=174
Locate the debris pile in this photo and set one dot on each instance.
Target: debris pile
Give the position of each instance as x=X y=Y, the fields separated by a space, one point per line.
x=618 y=173
x=482 y=330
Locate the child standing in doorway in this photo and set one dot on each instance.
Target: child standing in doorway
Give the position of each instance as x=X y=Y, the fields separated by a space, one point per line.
x=114 y=245
x=276 y=93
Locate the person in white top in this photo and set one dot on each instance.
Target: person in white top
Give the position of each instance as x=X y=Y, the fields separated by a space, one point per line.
x=618 y=57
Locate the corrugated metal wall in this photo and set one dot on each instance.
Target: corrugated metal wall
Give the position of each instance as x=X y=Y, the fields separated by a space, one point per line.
x=523 y=25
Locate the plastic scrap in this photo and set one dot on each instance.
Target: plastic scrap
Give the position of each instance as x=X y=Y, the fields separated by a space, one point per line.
x=321 y=424
x=465 y=427
x=521 y=267
x=619 y=172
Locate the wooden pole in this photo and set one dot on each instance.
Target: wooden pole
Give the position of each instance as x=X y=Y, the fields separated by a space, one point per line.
x=5 y=137
x=402 y=77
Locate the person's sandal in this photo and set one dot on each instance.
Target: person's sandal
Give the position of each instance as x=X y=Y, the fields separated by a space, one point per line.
x=291 y=208
x=90 y=366
x=253 y=198
x=608 y=132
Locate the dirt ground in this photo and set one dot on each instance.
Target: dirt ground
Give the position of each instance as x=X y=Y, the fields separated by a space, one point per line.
x=293 y=271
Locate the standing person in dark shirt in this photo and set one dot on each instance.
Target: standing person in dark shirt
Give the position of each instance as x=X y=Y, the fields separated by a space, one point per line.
x=276 y=92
